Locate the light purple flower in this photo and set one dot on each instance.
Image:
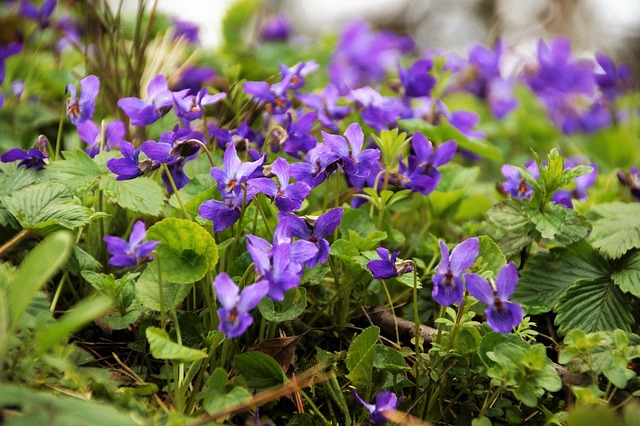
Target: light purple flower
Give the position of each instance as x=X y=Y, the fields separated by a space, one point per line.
x=379 y=112
x=191 y=107
x=159 y=101
x=326 y=106
x=287 y=197
x=235 y=172
x=448 y=285
x=276 y=28
x=515 y=185
x=234 y=313
x=89 y=132
x=356 y=161
x=385 y=401
x=186 y=29
x=502 y=315
x=82 y=109
x=133 y=252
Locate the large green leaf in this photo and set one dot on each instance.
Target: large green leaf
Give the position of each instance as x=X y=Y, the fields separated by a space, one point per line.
x=36 y=269
x=141 y=195
x=294 y=303
x=360 y=357
x=556 y=223
x=628 y=275
x=593 y=305
x=162 y=347
x=186 y=251
x=216 y=398
x=259 y=369
x=616 y=228
x=13 y=180
x=547 y=276
x=490 y=257
x=46 y=207
x=148 y=290
x=77 y=170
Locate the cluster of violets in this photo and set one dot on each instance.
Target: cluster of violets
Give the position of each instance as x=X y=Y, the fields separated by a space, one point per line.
x=578 y=96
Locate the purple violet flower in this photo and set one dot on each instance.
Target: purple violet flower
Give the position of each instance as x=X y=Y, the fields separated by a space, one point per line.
x=89 y=132
x=234 y=313
x=356 y=161
x=448 y=286
x=319 y=164
x=193 y=79
x=297 y=139
x=324 y=226
x=40 y=15
x=385 y=401
x=422 y=167
x=81 y=109
x=631 y=180
x=615 y=80
x=377 y=111
x=185 y=29
x=287 y=197
x=130 y=166
x=159 y=101
x=130 y=253
x=326 y=106
x=582 y=184
x=274 y=96
x=6 y=51
x=224 y=213
x=416 y=80
x=515 y=185
x=387 y=267
x=276 y=28
x=235 y=172
x=191 y=107
x=502 y=315
x=35 y=157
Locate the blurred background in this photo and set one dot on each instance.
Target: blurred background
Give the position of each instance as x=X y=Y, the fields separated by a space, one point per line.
x=609 y=26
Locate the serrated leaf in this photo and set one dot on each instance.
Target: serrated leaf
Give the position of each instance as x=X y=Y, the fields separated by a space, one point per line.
x=512 y=215
x=186 y=250
x=360 y=357
x=556 y=223
x=628 y=275
x=490 y=257
x=148 y=292
x=593 y=305
x=141 y=195
x=616 y=228
x=259 y=369
x=46 y=207
x=294 y=303
x=11 y=181
x=77 y=170
x=547 y=276
x=161 y=347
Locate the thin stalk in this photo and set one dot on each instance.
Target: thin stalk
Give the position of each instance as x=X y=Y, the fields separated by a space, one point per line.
x=206 y=150
x=393 y=311
x=175 y=191
x=20 y=235
x=56 y=296
x=59 y=135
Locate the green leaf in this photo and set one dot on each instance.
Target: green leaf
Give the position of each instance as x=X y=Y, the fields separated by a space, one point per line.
x=141 y=195
x=217 y=399
x=186 y=251
x=260 y=370
x=593 y=305
x=294 y=303
x=77 y=170
x=628 y=275
x=556 y=223
x=148 y=292
x=616 y=228
x=490 y=257
x=386 y=358
x=162 y=347
x=36 y=269
x=13 y=180
x=444 y=131
x=481 y=421
x=357 y=221
x=73 y=320
x=547 y=276
x=360 y=357
x=58 y=410
x=46 y=207
x=344 y=249
x=512 y=215
x=120 y=322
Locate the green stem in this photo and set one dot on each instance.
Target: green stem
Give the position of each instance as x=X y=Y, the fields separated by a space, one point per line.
x=56 y=296
x=59 y=135
x=393 y=311
x=20 y=235
x=206 y=150
x=163 y=314
x=175 y=191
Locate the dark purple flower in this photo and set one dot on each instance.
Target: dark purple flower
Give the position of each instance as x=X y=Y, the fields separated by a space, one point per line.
x=287 y=197
x=582 y=184
x=502 y=315
x=297 y=139
x=385 y=401
x=319 y=164
x=224 y=213
x=235 y=172
x=377 y=111
x=89 y=132
x=159 y=102
x=193 y=79
x=244 y=134
x=387 y=266
x=41 y=15
x=6 y=51
x=36 y=157
x=363 y=56
x=187 y=30
x=296 y=74
x=465 y=122
x=190 y=107
x=276 y=28
x=81 y=110
x=234 y=313
x=326 y=106
x=448 y=287
x=324 y=225
x=130 y=253
x=274 y=96
x=130 y=166
x=615 y=80
x=515 y=185
x=631 y=180
x=356 y=161
x=421 y=169
x=416 y=80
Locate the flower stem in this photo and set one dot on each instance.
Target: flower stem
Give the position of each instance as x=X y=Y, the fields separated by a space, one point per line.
x=175 y=191
x=20 y=235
